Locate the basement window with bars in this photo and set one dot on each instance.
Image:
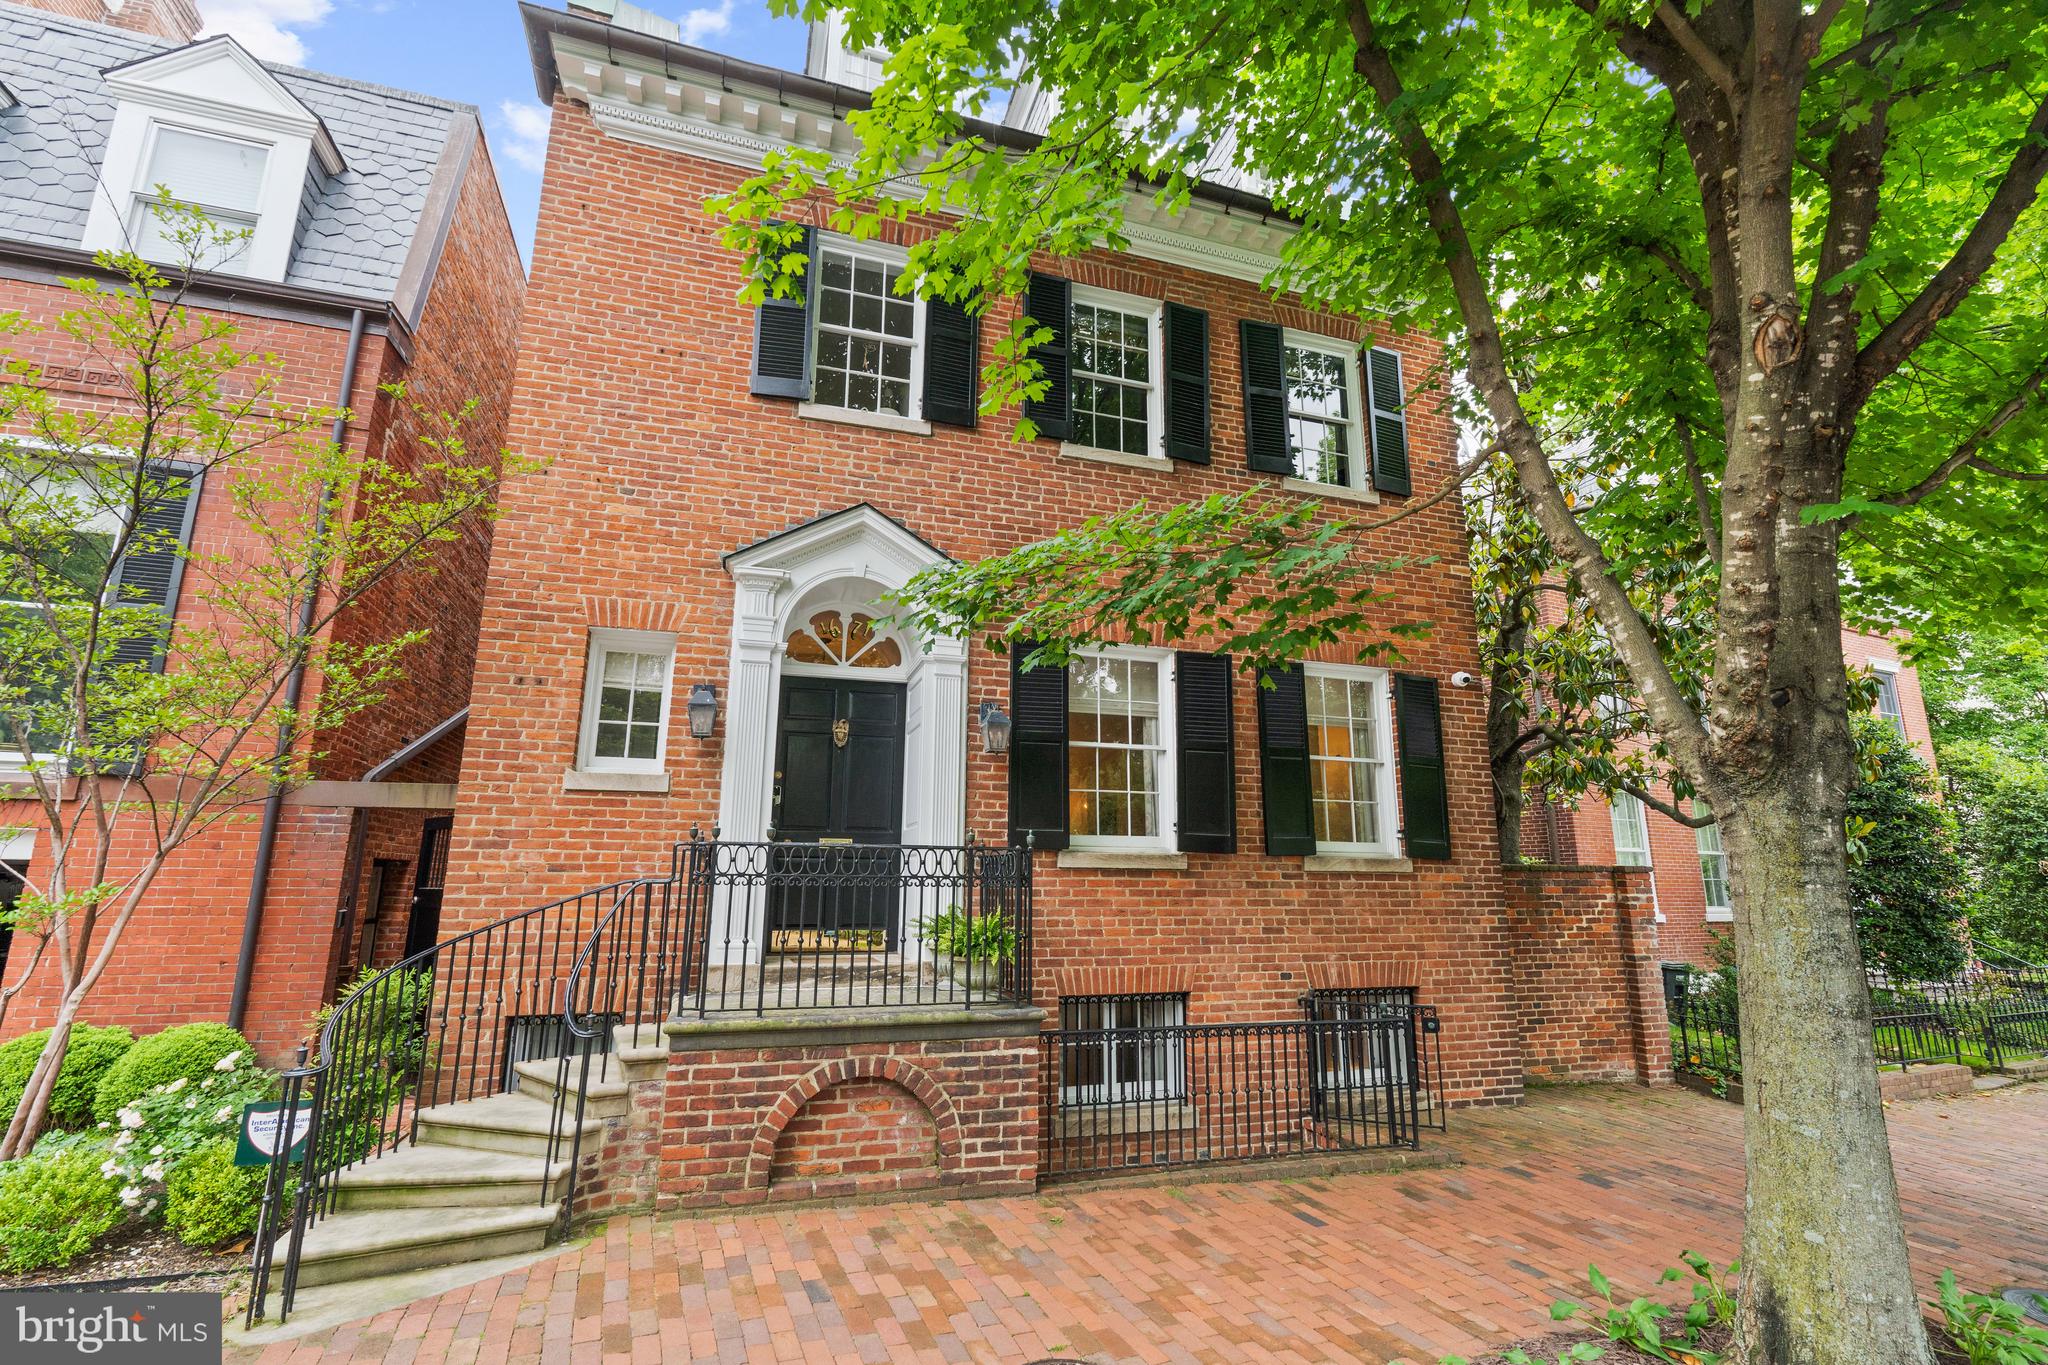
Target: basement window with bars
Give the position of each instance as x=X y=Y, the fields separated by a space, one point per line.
x=1128 y=1051
x=868 y=341
x=1374 y=1052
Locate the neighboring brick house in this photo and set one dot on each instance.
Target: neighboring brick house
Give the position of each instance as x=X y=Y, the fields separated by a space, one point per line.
x=1688 y=868
x=380 y=248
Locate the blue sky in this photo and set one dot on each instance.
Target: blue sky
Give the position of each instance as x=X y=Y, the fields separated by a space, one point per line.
x=472 y=50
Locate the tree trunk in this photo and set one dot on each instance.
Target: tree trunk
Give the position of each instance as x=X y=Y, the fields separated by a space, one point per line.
x=1825 y=1278
x=34 y=1110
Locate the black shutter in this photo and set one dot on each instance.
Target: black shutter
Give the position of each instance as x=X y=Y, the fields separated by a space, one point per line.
x=150 y=573
x=1038 y=751
x=1048 y=300
x=952 y=363
x=1425 y=796
x=1208 y=775
x=1388 y=421
x=782 y=336
x=1263 y=358
x=1284 y=762
x=1186 y=345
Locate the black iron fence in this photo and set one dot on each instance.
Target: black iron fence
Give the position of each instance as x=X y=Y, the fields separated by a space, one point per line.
x=788 y=926
x=1117 y=1099
x=1986 y=1020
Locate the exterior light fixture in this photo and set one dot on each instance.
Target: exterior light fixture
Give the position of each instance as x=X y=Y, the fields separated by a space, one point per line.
x=995 y=729
x=703 y=710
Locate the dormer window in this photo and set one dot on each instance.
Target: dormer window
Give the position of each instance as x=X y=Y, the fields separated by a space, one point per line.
x=222 y=176
x=221 y=132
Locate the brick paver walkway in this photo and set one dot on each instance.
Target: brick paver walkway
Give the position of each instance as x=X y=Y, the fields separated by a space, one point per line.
x=1330 y=1268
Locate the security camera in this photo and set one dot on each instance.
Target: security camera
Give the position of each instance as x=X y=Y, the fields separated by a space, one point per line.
x=1462 y=679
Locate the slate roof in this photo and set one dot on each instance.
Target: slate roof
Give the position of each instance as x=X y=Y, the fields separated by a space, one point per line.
x=355 y=228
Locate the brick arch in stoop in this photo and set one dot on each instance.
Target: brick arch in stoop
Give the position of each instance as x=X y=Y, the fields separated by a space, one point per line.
x=895 y=1070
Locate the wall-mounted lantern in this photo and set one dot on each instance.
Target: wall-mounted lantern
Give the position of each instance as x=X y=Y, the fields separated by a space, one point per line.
x=703 y=710
x=995 y=729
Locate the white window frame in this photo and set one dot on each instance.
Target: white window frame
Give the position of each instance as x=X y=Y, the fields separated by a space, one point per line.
x=1887 y=673
x=1708 y=839
x=1168 y=776
x=1389 y=844
x=897 y=257
x=142 y=196
x=1626 y=809
x=606 y=640
x=1165 y=1086
x=1346 y=353
x=1154 y=313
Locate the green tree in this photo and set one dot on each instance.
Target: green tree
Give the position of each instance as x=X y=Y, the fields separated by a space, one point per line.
x=2001 y=804
x=1786 y=256
x=129 y=761
x=1906 y=878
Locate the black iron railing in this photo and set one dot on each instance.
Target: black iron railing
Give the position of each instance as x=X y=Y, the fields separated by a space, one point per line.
x=1906 y=1039
x=792 y=926
x=1115 y=1099
x=442 y=1026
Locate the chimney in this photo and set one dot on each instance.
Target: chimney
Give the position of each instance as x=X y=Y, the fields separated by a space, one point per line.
x=175 y=21
x=625 y=14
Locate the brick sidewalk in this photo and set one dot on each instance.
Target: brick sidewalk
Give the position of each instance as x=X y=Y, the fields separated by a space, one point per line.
x=1342 y=1267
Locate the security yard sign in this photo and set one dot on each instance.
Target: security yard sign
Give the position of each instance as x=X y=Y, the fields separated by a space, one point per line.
x=263 y=1131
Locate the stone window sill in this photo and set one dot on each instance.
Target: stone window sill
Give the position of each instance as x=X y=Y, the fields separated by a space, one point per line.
x=1355 y=862
x=1719 y=916
x=1112 y=860
x=1158 y=464
x=576 y=780
x=1133 y=1116
x=1330 y=490
x=881 y=421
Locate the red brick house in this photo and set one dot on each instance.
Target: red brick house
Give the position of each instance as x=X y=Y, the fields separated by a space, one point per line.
x=1688 y=868
x=379 y=252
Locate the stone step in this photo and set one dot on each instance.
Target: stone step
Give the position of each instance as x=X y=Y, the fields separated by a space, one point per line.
x=434 y=1175
x=604 y=1095
x=358 y=1244
x=511 y=1122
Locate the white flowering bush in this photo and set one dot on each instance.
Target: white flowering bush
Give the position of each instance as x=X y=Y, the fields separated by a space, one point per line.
x=147 y=1138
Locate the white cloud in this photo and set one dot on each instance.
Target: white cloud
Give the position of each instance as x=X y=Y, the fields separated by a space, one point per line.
x=526 y=128
x=266 y=27
x=700 y=24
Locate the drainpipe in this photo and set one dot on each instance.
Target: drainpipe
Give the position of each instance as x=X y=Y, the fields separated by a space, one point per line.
x=294 y=688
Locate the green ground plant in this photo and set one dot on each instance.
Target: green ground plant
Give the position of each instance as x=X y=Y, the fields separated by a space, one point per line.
x=189 y=1051
x=1988 y=1329
x=88 y=1055
x=54 y=1207
x=208 y=1198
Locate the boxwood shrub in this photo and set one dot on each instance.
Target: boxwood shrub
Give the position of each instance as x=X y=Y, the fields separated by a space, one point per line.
x=208 y=1198
x=88 y=1055
x=54 y=1207
x=189 y=1050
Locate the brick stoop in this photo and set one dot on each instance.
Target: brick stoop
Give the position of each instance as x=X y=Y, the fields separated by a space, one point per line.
x=2034 y=1070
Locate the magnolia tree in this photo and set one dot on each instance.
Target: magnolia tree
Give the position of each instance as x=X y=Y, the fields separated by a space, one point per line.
x=135 y=735
x=1784 y=256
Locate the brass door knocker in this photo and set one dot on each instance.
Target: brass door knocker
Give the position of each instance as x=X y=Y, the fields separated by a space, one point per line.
x=841 y=728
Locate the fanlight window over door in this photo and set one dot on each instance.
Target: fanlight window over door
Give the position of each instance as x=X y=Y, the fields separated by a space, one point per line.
x=836 y=638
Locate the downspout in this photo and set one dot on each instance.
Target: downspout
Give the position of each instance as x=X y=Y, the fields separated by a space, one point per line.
x=294 y=688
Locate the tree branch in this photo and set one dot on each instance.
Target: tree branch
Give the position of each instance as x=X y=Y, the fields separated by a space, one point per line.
x=1871 y=44
x=1965 y=455
x=1702 y=498
x=1705 y=58
x=2016 y=192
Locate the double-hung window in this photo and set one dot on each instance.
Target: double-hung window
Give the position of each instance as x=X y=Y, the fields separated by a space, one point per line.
x=1323 y=438
x=1713 y=867
x=868 y=336
x=1631 y=831
x=1351 y=777
x=1120 y=784
x=626 y=692
x=222 y=176
x=1888 y=708
x=67 y=527
x=1116 y=390
x=1128 y=1048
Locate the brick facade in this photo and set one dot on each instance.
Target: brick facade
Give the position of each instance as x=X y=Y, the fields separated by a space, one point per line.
x=660 y=463
x=177 y=959
x=1587 y=974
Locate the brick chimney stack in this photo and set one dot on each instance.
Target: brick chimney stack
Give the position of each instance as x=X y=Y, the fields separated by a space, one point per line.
x=174 y=21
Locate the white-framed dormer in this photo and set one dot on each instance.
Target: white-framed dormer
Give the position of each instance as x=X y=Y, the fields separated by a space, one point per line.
x=212 y=123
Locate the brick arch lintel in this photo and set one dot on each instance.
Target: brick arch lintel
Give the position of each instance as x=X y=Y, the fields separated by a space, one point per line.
x=821 y=1078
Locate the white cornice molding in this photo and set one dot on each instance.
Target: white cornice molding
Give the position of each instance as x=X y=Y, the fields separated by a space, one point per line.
x=740 y=128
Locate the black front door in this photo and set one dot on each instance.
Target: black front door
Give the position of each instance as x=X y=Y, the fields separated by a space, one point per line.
x=838 y=783
x=423 y=928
